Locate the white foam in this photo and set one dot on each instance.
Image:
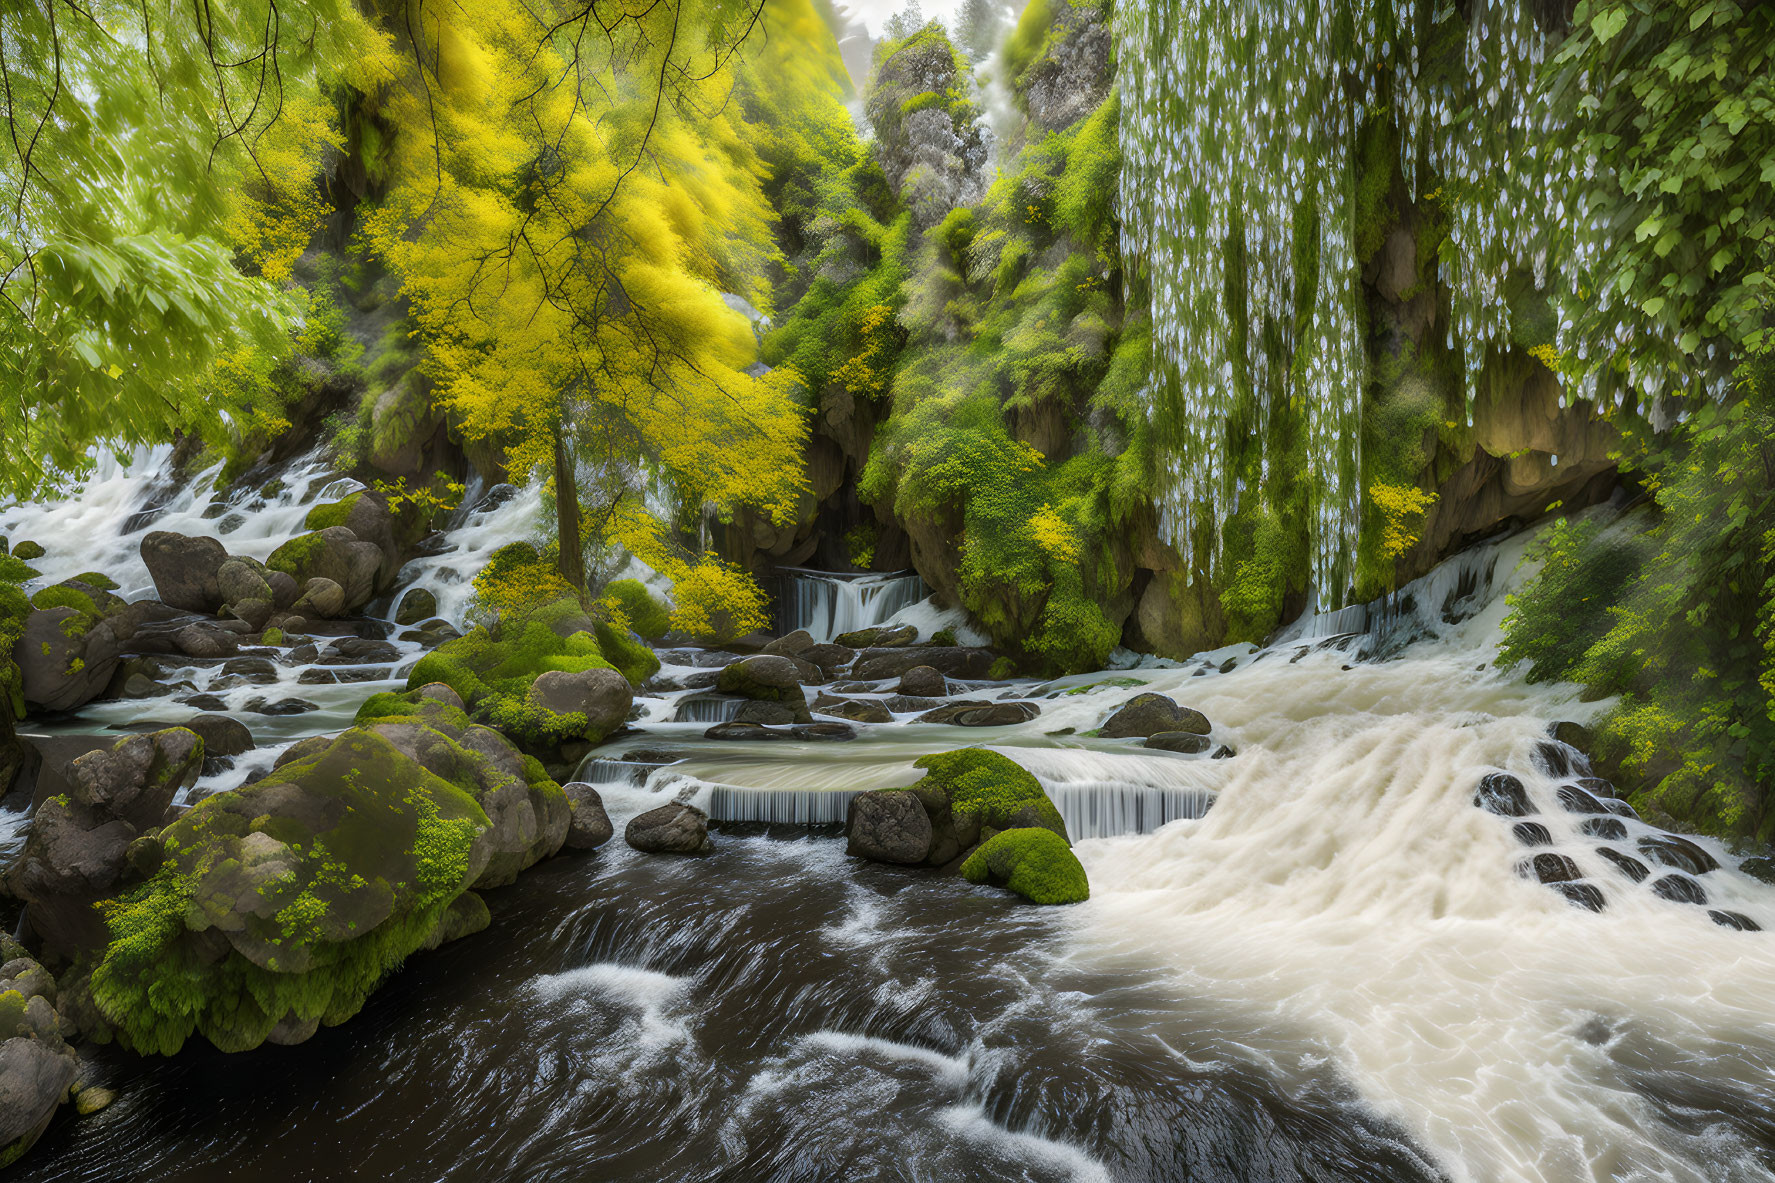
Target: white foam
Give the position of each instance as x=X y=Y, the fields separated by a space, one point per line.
x=970 y=1121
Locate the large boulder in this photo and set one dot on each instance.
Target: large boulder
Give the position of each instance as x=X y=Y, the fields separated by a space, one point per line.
x=77 y=850
x=975 y=713
x=334 y=553
x=417 y=605
x=37 y=1067
x=888 y=826
x=528 y=815
x=67 y=655
x=367 y=516
x=590 y=827
x=275 y=907
x=923 y=681
x=1035 y=863
x=671 y=829
x=602 y=696
x=769 y=678
x=185 y=570
x=321 y=597
x=1146 y=715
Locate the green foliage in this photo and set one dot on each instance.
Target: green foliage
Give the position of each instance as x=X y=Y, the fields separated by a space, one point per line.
x=492 y=669
x=1035 y=863
x=517 y=579
x=646 y=615
x=1679 y=622
x=988 y=787
x=627 y=652
x=14 y=570
x=1677 y=110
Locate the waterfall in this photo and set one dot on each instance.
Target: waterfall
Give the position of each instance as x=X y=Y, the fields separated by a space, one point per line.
x=98 y=524
x=1242 y=146
x=828 y=604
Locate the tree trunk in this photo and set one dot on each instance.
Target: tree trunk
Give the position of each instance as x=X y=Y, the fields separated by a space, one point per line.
x=572 y=563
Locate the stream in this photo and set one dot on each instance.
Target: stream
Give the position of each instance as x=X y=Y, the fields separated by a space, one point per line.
x=1312 y=958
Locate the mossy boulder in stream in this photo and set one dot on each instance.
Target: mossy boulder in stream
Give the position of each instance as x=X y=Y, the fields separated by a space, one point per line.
x=1035 y=863
x=495 y=670
x=335 y=553
x=281 y=905
x=36 y=1064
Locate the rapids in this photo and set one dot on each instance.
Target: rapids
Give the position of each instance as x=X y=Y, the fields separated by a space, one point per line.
x=1312 y=958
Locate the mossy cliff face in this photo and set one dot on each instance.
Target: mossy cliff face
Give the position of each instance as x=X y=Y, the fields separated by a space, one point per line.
x=281 y=905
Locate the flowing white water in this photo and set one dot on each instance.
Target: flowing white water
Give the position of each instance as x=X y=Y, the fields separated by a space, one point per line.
x=100 y=523
x=1346 y=895
x=474 y=533
x=828 y=604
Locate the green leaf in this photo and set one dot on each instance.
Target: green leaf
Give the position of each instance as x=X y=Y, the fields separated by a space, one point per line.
x=1608 y=23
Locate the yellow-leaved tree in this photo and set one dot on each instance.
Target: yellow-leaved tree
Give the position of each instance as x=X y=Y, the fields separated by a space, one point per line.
x=580 y=225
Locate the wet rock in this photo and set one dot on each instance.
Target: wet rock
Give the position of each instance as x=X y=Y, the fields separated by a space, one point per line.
x=769 y=676
x=360 y=651
x=1609 y=829
x=1619 y=808
x=1734 y=920
x=1625 y=863
x=824 y=732
x=791 y=644
x=37 y=1067
x=416 y=606
x=202 y=702
x=981 y=714
x=258 y=670
x=185 y=570
x=439 y=692
x=1679 y=888
x=769 y=713
x=1149 y=714
x=671 y=829
x=1596 y=786
x=1504 y=795
x=1557 y=759
x=1581 y=895
x=1548 y=868
x=1760 y=867
x=1573 y=735
x=888 y=826
x=602 y=696
x=284 y=589
x=240 y=579
x=901 y=704
x=1575 y=800
x=68 y=658
x=590 y=827
x=137 y=778
x=1223 y=752
x=254 y=613
x=1187 y=742
x=857 y=710
x=828 y=659
x=302 y=749
x=321 y=599
x=206 y=641
x=282 y=706
x=955 y=661
x=893 y=637
x=745 y=731
x=1532 y=834
x=923 y=681
x=1668 y=850
x=221 y=735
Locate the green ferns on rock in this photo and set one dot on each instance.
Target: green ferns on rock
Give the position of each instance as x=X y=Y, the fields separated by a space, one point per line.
x=1035 y=863
x=287 y=901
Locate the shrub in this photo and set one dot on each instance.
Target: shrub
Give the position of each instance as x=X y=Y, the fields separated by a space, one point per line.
x=646 y=615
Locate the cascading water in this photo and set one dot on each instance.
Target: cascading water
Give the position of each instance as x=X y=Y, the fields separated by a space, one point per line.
x=828 y=604
x=99 y=524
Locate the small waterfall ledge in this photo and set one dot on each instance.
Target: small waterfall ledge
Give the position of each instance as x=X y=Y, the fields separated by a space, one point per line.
x=829 y=603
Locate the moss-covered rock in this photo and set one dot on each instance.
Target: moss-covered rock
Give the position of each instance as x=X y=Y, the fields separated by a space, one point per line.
x=36 y=1065
x=335 y=553
x=984 y=789
x=1033 y=862
x=28 y=550
x=282 y=904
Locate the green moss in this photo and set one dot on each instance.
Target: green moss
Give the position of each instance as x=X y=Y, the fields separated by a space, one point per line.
x=1035 y=863
x=631 y=657
x=646 y=615
x=293 y=557
x=65 y=597
x=272 y=636
x=989 y=788
x=28 y=551
x=370 y=863
x=1002 y=668
x=333 y=513
x=96 y=579
x=14 y=570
